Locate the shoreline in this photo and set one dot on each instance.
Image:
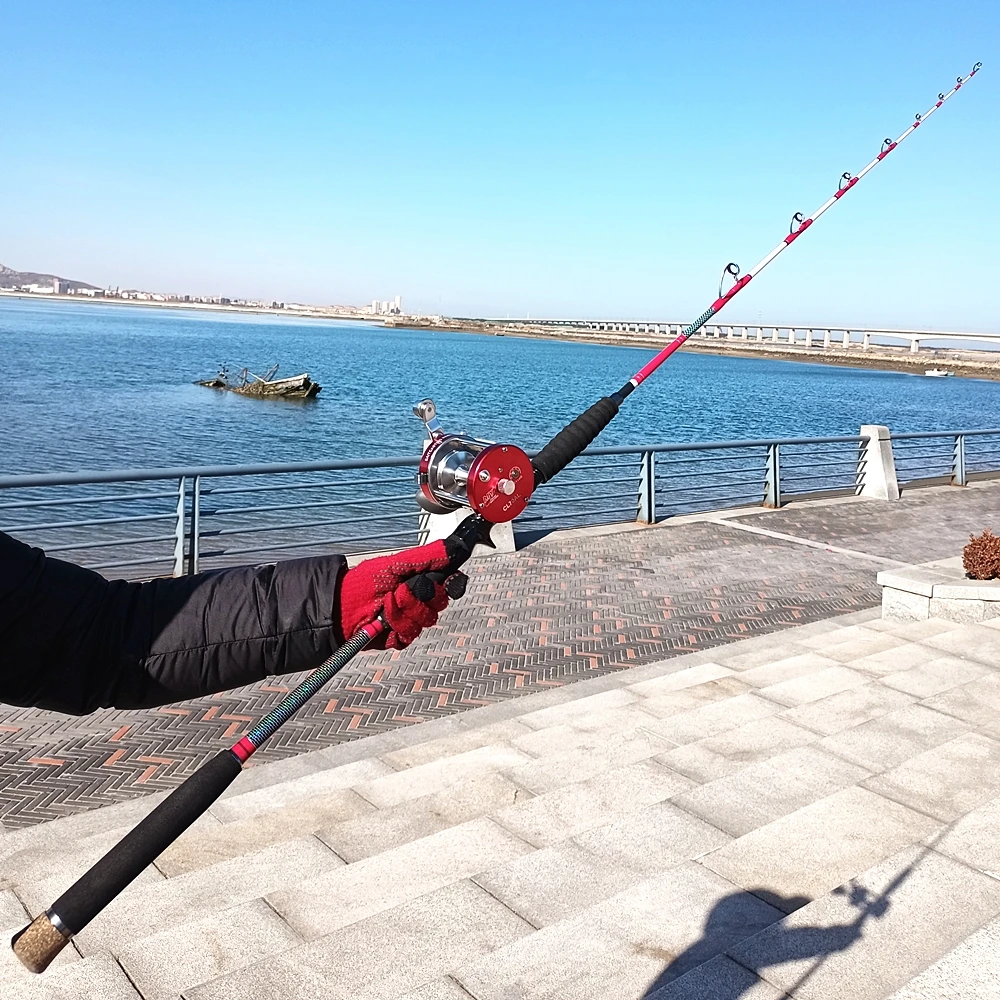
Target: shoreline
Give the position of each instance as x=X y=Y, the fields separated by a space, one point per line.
x=86 y=300
x=877 y=358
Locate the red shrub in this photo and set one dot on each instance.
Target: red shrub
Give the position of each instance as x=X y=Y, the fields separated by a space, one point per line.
x=981 y=557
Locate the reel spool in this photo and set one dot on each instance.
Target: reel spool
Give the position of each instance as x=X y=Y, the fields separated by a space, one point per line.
x=495 y=480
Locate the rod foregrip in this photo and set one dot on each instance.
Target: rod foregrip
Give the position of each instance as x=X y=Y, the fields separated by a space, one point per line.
x=50 y=932
x=572 y=439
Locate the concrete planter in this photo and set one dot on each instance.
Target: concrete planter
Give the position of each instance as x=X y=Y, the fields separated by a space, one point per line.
x=938 y=590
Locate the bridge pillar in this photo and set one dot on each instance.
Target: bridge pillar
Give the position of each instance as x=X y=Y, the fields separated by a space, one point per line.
x=847 y=340
x=914 y=346
x=774 y=335
x=760 y=334
x=826 y=338
x=867 y=342
x=809 y=338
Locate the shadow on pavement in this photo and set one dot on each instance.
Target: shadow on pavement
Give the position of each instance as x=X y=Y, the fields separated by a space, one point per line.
x=725 y=980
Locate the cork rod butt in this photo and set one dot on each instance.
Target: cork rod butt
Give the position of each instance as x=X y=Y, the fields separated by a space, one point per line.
x=38 y=943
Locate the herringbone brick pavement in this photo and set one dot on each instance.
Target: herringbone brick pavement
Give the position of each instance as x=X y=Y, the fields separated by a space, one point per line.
x=564 y=608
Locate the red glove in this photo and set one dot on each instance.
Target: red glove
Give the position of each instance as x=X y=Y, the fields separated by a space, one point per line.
x=376 y=585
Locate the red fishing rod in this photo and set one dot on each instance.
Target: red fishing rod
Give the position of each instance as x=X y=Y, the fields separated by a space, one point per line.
x=798 y=226
x=494 y=481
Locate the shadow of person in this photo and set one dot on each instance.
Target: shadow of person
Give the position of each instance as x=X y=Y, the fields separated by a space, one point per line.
x=725 y=980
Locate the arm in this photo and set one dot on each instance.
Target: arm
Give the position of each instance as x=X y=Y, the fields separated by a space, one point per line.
x=72 y=641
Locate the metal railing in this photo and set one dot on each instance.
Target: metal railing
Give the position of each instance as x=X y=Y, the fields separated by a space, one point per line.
x=212 y=516
x=955 y=457
x=156 y=522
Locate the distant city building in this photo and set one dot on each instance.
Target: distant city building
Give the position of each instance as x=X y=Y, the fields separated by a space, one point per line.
x=59 y=287
x=393 y=308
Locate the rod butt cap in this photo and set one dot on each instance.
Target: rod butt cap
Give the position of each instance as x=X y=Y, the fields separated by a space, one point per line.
x=39 y=943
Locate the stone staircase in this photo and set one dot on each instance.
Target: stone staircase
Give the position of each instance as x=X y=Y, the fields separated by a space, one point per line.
x=814 y=813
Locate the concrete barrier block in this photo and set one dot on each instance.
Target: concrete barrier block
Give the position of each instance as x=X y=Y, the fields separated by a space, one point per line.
x=913 y=579
x=879 y=473
x=903 y=606
x=957 y=609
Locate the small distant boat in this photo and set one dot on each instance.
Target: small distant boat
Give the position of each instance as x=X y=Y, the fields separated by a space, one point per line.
x=938 y=373
x=246 y=383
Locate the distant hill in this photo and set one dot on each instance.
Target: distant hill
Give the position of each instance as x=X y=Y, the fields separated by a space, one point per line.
x=10 y=278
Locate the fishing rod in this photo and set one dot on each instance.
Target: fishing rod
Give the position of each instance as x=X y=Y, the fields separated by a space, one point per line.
x=495 y=482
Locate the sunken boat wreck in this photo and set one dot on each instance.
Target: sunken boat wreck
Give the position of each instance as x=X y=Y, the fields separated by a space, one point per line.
x=246 y=383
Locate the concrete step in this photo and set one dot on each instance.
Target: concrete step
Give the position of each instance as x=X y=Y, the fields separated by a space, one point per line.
x=707 y=827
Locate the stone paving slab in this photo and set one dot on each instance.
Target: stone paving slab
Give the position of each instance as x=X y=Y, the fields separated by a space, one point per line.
x=383 y=955
x=383 y=829
x=97 y=978
x=716 y=980
x=760 y=793
x=574 y=809
x=809 y=852
x=618 y=948
x=320 y=905
x=163 y=965
x=967 y=972
x=945 y=782
x=557 y=882
x=719 y=756
x=163 y=906
x=568 y=607
x=848 y=709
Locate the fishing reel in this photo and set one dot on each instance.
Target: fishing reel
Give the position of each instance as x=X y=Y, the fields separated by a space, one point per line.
x=456 y=471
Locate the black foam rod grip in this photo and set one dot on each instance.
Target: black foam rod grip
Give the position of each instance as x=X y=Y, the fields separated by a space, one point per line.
x=572 y=439
x=141 y=846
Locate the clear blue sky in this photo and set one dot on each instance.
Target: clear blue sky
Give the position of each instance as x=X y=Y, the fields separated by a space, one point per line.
x=492 y=158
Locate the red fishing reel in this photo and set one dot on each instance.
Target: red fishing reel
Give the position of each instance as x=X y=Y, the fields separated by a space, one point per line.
x=456 y=471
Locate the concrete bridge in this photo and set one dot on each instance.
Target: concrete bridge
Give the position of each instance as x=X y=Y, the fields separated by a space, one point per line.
x=817 y=337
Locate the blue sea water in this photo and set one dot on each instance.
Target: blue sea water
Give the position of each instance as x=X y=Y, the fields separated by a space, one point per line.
x=91 y=386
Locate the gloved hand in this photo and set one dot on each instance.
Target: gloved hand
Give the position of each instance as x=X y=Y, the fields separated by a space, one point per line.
x=377 y=585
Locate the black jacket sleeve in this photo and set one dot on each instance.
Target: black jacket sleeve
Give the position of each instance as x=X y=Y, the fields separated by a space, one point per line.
x=72 y=641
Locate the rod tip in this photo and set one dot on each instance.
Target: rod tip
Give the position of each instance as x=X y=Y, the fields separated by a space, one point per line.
x=39 y=943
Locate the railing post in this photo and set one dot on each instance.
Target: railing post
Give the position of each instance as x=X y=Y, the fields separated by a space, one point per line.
x=179 y=529
x=772 y=481
x=647 y=488
x=195 y=526
x=958 y=462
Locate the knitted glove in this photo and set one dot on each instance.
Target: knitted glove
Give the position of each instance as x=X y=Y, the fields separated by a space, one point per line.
x=377 y=585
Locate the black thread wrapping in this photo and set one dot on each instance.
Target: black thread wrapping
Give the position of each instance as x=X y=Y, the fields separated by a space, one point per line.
x=572 y=439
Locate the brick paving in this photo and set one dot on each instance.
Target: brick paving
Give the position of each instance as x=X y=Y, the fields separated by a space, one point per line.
x=563 y=609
